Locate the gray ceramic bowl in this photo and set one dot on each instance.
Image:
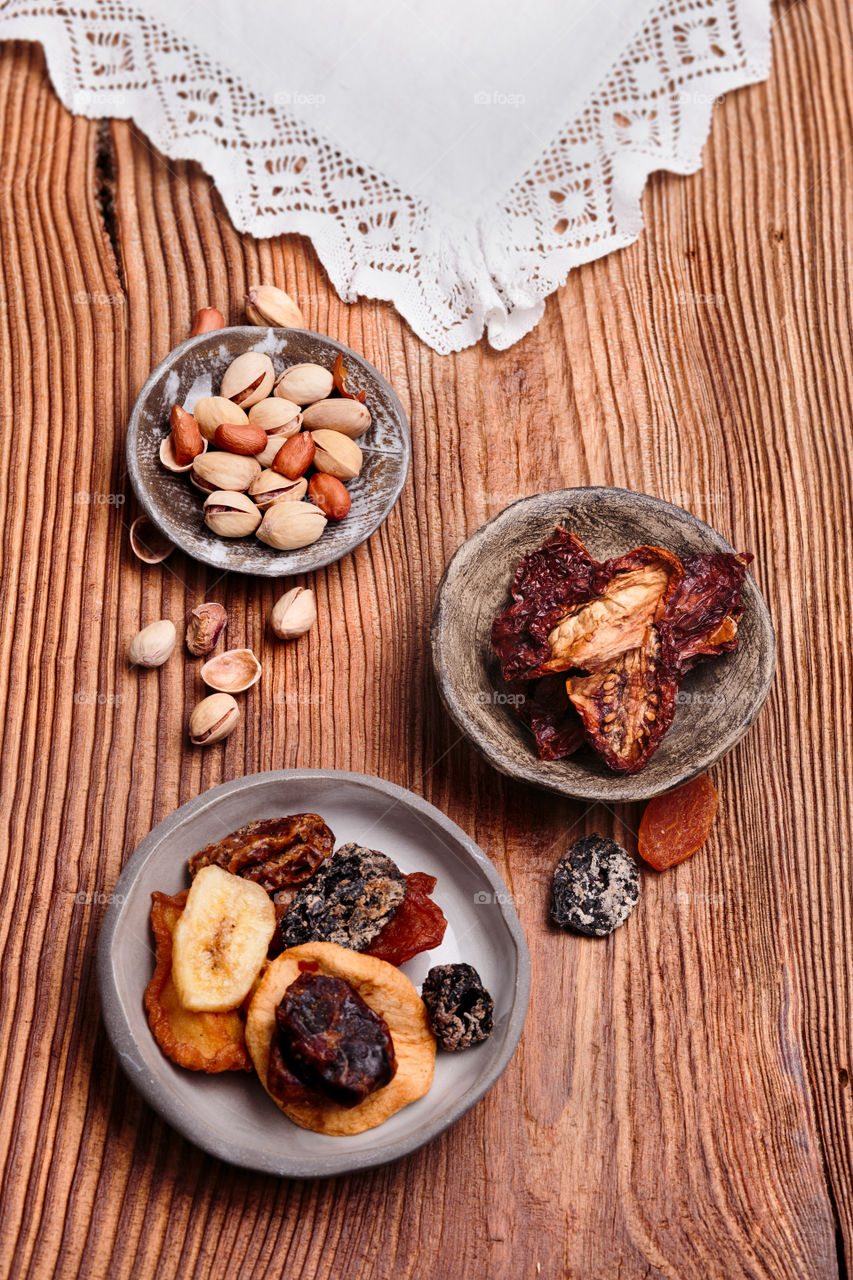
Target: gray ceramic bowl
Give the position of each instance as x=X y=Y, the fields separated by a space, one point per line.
x=719 y=699
x=230 y=1115
x=195 y=369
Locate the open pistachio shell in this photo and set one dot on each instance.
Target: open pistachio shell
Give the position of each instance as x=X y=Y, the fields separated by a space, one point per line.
x=167 y=454
x=147 y=543
x=232 y=671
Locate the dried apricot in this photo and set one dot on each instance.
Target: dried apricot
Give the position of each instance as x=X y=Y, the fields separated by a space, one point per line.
x=417 y=925
x=675 y=825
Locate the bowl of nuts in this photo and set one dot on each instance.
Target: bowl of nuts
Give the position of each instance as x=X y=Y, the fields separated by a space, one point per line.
x=267 y=451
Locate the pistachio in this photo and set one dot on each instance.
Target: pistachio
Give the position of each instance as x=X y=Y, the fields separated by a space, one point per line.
x=232 y=671
x=304 y=383
x=350 y=417
x=151 y=646
x=294 y=613
x=206 y=320
x=168 y=458
x=230 y=514
x=213 y=719
x=270 y=487
x=267 y=455
x=147 y=543
x=276 y=415
x=212 y=471
x=288 y=525
x=248 y=379
x=211 y=411
x=268 y=305
x=336 y=455
x=206 y=625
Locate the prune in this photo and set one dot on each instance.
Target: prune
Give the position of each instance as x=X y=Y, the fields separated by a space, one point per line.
x=274 y=852
x=330 y=1042
x=460 y=1009
x=675 y=825
x=417 y=925
x=595 y=887
x=349 y=900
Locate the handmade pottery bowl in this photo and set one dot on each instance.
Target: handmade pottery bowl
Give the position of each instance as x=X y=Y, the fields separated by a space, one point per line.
x=230 y=1115
x=195 y=369
x=718 y=700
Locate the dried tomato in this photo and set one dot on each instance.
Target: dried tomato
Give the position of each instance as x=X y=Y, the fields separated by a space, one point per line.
x=675 y=825
x=417 y=925
x=543 y=705
x=703 y=615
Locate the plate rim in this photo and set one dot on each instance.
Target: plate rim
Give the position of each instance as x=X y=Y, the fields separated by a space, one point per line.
x=277 y=566
x=600 y=789
x=124 y=1043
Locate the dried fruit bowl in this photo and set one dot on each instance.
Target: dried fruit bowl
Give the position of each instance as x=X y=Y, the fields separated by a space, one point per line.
x=195 y=369
x=718 y=700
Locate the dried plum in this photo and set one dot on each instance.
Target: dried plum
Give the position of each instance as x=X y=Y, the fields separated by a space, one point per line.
x=460 y=1009
x=274 y=852
x=595 y=887
x=348 y=900
x=329 y=1041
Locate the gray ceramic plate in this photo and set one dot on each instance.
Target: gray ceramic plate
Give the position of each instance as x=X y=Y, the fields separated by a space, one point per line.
x=230 y=1115
x=195 y=369
x=718 y=700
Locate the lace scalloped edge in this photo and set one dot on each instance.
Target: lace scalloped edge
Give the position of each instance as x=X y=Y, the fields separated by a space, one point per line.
x=451 y=281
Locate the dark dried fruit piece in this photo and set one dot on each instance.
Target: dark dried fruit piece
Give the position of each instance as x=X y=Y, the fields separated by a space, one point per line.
x=595 y=887
x=417 y=925
x=544 y=706
x=329 y=1041
x=703 y=615
x=277 y=853
x=627 y=706
x=675 y=825
x=460 y=1009
x=348 y=900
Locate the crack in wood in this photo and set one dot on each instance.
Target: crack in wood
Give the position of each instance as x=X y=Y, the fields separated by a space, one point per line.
x=105 y=186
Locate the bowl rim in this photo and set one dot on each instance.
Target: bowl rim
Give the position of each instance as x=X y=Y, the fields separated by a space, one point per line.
x=120 y=1033
x=600 y=788
x=276 y=569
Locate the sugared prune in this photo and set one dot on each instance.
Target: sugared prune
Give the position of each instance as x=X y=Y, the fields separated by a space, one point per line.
x=274 y=852
x=329 y=1041
x=595 y=887
x=417 y=925
x=459 y=1008
x=348 y=900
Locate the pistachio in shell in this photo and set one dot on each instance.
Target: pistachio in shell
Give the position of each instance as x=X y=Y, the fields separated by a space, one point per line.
x=266 y=304
x=151 y=646
x=336 y=455
x=270 y=487
x=213 y=719
x=289 y=525
x=294 y=613
x=304 y=383
x=232 y=671
x=248 y=379
x=275 y=415
x=220 y=470
x=211 y=411
x=350 y=417
x=231 y=514
x=206 y=624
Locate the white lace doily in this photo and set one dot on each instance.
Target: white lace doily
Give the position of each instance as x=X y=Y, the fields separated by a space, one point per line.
x=450 y=276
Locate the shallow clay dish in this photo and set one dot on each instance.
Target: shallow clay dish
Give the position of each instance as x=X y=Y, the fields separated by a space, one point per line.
x=195 y=369
x=718 y=700
x=230 y=1115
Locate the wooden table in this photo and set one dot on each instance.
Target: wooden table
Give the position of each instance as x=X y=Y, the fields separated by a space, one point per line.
x=680 y=1104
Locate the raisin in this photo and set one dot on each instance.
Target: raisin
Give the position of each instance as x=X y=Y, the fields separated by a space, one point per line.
x=417 y=925
x=330 y=1042
x=348 y=901
x=595 y=887
x=675 y=825
x=460 y=1009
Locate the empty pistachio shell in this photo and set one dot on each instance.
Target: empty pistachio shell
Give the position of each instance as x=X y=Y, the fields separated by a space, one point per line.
x=213 y=719
x=304 y=383
x=288 y=525
x=294 y=613
x=231 y=514
x=232 y=671
x=167 y=454
x=275 y=415
x=350 y=417
x=212 y=471
x=270 y=487
x=268 y=305
x=336 y=454
x=151 y=646
x=147 y=542
x=248 y=379
x=211 y=411
x=274 y=443
x=206 y=625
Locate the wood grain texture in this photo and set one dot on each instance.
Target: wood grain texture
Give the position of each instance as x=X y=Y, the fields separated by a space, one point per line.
x=680 y=1104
